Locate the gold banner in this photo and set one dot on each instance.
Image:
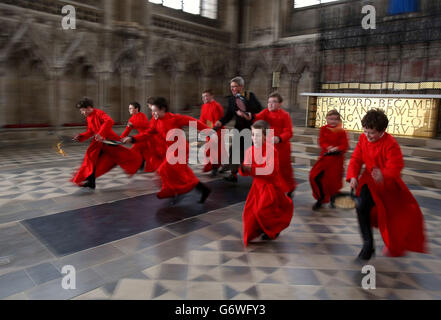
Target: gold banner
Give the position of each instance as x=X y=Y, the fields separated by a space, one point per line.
x=409 y=117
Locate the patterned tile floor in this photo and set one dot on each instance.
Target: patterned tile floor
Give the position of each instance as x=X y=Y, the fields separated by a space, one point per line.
x=312 y=259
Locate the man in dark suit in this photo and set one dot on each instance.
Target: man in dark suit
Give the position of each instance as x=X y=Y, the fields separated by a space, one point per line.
x=241 y=105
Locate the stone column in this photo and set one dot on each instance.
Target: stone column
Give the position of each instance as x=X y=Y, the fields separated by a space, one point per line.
x=3 y=106
x=294 y=83
x=177 y=93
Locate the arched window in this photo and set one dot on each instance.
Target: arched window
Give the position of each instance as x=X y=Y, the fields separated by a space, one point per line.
x=307 y=3
x=205 y=8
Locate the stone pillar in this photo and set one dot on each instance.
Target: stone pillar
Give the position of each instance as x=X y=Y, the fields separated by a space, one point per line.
x=55 y=107
x=294 y=83
x=3 y=106
x=177 y=94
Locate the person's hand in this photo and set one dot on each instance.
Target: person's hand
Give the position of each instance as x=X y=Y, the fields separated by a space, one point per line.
x=353 y=183
x=217 y=125
x=129 y=124
x=248 y=116
x=333 y=149
x=76 y=138
x=99 y=138
x=126 y=140
x=377 y=175
x=276 y=140
x=239 y=113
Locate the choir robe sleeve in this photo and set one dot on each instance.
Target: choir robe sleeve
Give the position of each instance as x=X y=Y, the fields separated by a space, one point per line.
x=85 y=135
x=182 y=121
x=286 y=134
x=394 y=161
x=126 y=132
x=220 y=111
x=106 y=126
x=343 y=144
x=323 y=139
x=356 y=162
x=271 y=161
x=204 y=117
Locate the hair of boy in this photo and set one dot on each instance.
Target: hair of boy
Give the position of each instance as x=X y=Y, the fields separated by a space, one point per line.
x=239 y=80
x=375 y=119
x=209 y=91
x=261 y=125
x=150 y=100
x=276 y=95
x=161 y=103
x=333 y=113
x=136 y=105
x=84 y=103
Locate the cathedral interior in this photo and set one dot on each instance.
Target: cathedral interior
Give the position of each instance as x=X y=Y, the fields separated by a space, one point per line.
x=122 y=241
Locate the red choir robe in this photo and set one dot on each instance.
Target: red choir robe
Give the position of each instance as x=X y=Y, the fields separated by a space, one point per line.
x=210 y=113
x=280 y=121
x=267 y=209
x=396 y=212
x=152 y=150
x=103 y=157
x=332 y=165
x=176 y=178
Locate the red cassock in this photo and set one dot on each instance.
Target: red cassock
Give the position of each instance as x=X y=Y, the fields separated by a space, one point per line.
x=211 y=112
x=268 y=209
x=331 y=165
x=177 y=178
x=152 y=150
x=280 y=121
x=396 y=212
x=104 y=157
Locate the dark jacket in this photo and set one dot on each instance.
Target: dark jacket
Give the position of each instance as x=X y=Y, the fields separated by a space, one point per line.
x=252 y=105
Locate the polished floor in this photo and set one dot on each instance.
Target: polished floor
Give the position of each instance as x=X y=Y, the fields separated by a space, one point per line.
x=126 y=244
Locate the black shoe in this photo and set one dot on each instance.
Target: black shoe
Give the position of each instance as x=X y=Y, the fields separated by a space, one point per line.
x=231 y=178
x=317 y=206
x=290 y=194
x=213 y=173
x=89 y=184
x=266 y=237
x=332 y=203
x=366 y=253
x=223 y=169
x=204 y=190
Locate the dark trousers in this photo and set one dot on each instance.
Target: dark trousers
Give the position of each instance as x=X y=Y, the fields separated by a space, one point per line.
x=364 y=208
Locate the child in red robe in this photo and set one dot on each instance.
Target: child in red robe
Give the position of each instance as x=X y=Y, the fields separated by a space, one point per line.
x=385 y=201
x=101 y=158
x=280 y=122
x=139 y=122
x=326 y=176
x=268 y=210
x=177 y=177
x=212 y=112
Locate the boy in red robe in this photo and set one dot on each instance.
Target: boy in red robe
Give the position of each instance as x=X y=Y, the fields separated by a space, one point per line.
x=101 y=158
x=326 y=176
x=280 y=122
x=385 y=201
x=139 y=122
x=177 y=177
x=268 y=210
x=212 y=112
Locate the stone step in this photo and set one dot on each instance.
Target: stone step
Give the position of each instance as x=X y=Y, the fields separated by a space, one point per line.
x=417 y=176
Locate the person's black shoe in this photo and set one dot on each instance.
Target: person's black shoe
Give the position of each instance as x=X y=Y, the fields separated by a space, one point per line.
x=366 y=253
x=266 y=237
x=141 y=168
x=213 y=173
x=204 y=190
x=89 y=184
x=332 y=203
x=290 y=194
x=223 y=169
x=231 y=178
x=317 y=206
